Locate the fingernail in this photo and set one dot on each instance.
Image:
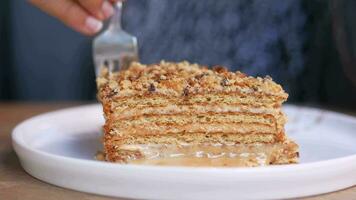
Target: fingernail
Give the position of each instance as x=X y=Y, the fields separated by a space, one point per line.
x=107 y=9
x=93 y=24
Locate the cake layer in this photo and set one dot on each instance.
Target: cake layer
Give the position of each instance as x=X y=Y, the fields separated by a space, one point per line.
x=234 y=122
x=193 y=138
x=125 y=112
x=153 y=129
x=213 y=154
x=183 y=119
x=232 y=98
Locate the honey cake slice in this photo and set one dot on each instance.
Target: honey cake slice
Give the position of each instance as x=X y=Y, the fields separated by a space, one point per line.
x=185 y=114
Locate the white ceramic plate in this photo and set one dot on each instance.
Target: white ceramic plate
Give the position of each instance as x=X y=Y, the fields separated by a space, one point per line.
x=59 y=147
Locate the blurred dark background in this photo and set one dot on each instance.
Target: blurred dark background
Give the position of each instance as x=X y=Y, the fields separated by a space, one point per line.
x=308 y=46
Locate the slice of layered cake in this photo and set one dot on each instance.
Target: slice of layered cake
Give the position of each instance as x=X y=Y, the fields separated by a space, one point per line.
x=186 y=114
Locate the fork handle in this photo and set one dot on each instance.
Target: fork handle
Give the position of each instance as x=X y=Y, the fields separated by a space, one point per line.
x=115 y=21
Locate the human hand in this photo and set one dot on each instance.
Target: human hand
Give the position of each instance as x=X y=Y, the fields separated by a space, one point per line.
x=85 y=16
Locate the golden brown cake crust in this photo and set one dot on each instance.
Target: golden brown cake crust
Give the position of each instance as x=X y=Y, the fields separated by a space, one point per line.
x=182 y=79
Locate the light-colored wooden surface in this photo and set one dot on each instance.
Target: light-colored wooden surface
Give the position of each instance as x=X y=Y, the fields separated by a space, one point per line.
x=15 y=183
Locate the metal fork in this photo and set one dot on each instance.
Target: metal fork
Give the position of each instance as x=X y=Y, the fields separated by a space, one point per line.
x=114 y=48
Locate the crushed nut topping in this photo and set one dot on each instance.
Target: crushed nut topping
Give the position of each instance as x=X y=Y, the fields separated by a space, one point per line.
x=186 y=91
x=199 y=76
x=151 y=88
x=112 y=93
x=172 y=79
x=224 y=82
x=220 y=69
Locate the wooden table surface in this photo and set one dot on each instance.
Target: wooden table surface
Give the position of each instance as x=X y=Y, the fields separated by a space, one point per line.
x=15 y=183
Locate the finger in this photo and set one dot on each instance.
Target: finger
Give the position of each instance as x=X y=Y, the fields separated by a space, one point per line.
x=71 y=14
x=101 y=9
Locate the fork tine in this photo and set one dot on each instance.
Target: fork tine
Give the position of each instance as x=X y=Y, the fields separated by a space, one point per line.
x=114 y=46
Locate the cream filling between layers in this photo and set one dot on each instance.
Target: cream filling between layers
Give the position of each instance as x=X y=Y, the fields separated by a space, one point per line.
x=257 y=154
